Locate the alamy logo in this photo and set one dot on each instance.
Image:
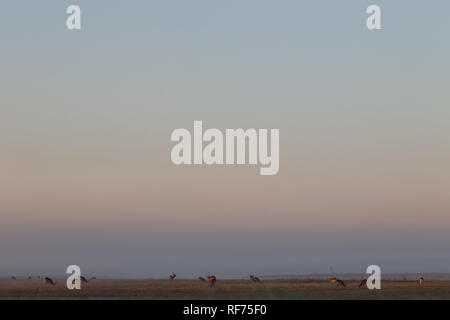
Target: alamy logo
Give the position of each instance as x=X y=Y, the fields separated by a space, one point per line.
x=374 y=20
x=374 y=280
x=240 y=144
x=74 y=280
x=73 y=22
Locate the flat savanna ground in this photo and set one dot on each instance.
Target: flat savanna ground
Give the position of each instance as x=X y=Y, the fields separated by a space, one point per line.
x=223 y=289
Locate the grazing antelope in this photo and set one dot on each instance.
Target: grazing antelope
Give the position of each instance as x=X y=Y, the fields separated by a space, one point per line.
x=337 y=282
x=341 y=283
x=363 y=283
x=13 y=278
x=83 y=279
x=212 y=280
x=29 y=277
x=254 y=279
x=201 y=279
x=172 y=276
x=420 y=281
x=47 y=281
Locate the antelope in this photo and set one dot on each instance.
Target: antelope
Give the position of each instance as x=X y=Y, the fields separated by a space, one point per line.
x=29 y=277
x=47 y=281
x=420 y=281
x=254 y=279
x=172 y=276
x=212 y=280
x=337 y=282
x=93 y=278
x=201 y=279
x=82 y=279
x=13 y=278
x=363 y=283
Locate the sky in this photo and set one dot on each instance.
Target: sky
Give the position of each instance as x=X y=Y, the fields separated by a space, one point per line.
x=86 y=118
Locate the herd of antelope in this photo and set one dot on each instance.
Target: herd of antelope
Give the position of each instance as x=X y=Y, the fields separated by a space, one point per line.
x=211 y=280
x=363 y=283
x=49 y=281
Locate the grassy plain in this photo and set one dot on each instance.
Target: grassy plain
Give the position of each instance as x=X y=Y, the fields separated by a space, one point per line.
x=224 y=289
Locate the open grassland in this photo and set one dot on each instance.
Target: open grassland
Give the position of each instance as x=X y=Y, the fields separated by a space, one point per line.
x=225 y=289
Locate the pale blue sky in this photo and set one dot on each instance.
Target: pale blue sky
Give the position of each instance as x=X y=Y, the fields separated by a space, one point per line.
x=86 y=117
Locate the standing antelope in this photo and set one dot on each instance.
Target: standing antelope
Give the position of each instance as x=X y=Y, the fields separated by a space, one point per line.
x=337 y=282
x=363 y=283
x=172 y=276
x=47 y=281
x=420 y=282
x=212 y=280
